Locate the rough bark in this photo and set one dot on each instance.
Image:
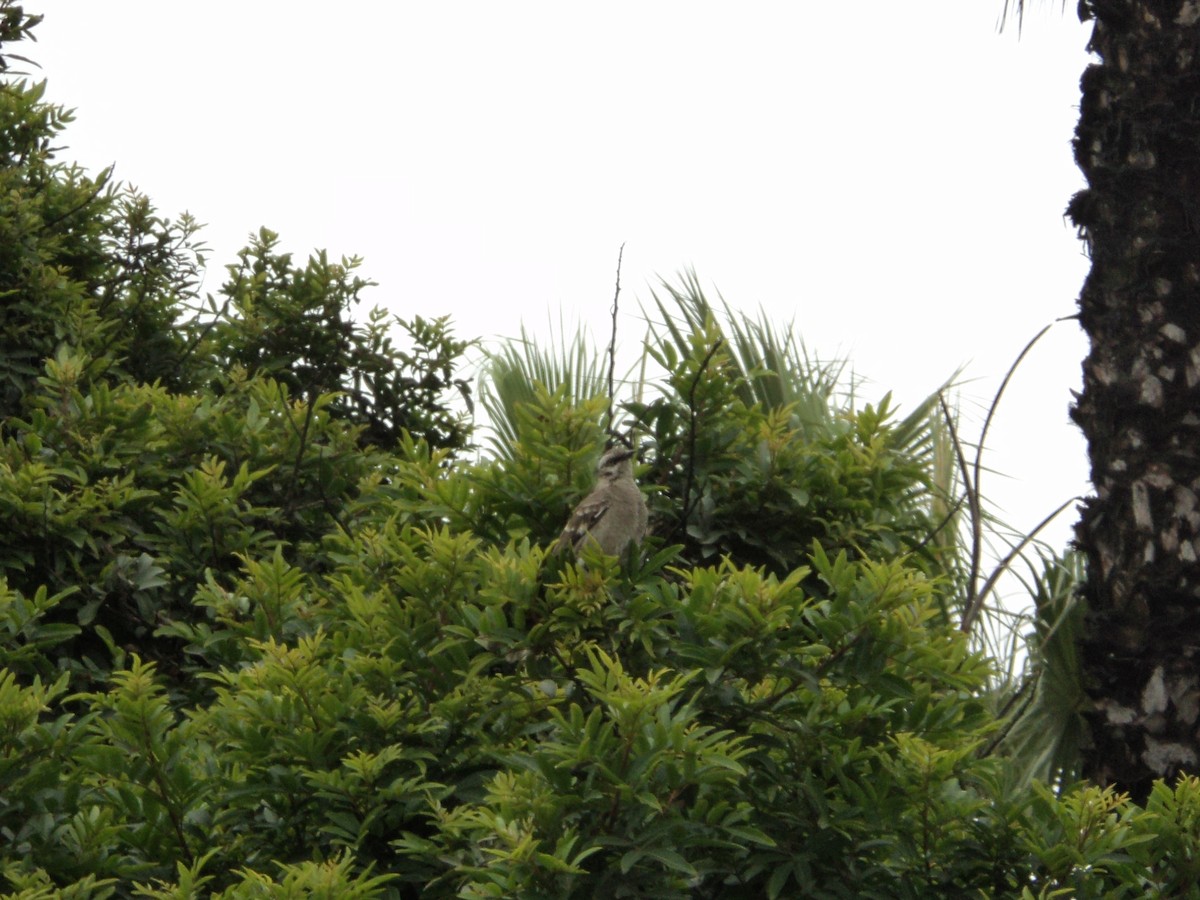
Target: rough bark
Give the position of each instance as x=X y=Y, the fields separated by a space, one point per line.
x=1138 y=144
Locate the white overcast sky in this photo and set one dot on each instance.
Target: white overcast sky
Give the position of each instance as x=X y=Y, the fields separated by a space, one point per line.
x=889 y=176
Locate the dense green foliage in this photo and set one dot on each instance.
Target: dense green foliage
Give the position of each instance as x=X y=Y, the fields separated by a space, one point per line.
x=268 y=630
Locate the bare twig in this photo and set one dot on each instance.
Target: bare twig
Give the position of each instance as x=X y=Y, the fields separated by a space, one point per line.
x=205 y=329
x=971 y=477
x=974 y=506
x=946 y=520
x=302 y=435
x=612 y=341
x=691 y=462
x=1025 y=695
x=971 y=613
x=996 y=400
x=101 y=186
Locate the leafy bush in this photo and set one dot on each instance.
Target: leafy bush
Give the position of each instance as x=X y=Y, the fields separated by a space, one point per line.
x=758 y=450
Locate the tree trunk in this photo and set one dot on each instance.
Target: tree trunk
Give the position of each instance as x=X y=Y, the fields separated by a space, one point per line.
x=1138 y=144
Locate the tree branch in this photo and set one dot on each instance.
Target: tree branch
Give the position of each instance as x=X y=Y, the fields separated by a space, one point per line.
x=612 y=341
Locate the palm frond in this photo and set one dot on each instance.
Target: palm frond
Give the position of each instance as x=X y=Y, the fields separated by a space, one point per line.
x=771 y=366
x=1017 y=8
x=1043 y=723
x=510 y=375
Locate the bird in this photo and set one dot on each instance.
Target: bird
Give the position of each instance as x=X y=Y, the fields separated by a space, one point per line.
x=614 y=514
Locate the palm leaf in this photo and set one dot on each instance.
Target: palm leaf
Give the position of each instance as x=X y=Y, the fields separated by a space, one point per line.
x=510 y=376
x=1043 y=722
x=771 y=367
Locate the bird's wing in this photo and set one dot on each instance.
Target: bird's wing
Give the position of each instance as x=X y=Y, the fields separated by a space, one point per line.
x=587 y=516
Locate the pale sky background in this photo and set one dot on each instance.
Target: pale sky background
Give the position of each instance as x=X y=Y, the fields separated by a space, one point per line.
x=889 y=176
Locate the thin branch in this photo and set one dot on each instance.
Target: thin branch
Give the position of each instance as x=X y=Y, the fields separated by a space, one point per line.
x=996 y=400
x=612 y=341
x=976 y=604
x=303 y=435
x=691 y=463
x=1010 y=721
x=206 y=329
x=101 y=186
x=973 y=504
x=971 y=484
x=946 y=520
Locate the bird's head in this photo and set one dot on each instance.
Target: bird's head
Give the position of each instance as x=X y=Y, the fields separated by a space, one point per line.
x=615 y=463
